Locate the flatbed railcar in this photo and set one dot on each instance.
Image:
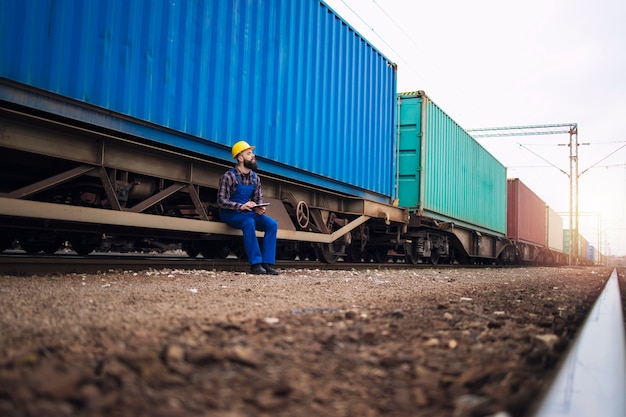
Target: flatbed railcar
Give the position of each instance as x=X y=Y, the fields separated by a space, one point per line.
x=117 y=119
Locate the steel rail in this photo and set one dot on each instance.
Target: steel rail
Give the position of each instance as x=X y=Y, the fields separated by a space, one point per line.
x=592 y=379
x=21 y=264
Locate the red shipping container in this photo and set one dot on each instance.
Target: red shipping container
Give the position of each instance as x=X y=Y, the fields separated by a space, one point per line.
x=526 y=214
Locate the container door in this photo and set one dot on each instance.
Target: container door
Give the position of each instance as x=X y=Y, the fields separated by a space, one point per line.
x=409 y=152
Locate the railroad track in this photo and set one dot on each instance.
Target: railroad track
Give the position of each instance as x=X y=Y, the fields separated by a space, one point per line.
x=592 y=378
x=18 y=263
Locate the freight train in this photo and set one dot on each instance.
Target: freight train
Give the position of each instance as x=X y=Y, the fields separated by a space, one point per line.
x=117 y=117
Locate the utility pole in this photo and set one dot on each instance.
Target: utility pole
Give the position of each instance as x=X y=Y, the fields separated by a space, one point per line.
x=573 y=194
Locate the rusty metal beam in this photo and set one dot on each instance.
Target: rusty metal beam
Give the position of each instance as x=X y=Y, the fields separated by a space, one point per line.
x=195 y=197
x=48 y=183
x=63 y=212
x=160 y=196
x=109 y=189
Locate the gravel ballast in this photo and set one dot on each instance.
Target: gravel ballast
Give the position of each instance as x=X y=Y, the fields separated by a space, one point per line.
x=414 y=342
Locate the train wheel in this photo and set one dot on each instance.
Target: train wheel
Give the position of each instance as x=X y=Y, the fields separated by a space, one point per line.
x=191 y=250
x=215 y=251
x=33 y=248
x=434 y=257
x=410 y=251
x=83 y=249
x=30 y=248
x=286 y=254
x=85 y=243
x=326 y=253
x=5 y=242
x=307 y=252
x=379 y=255
x=354 y=253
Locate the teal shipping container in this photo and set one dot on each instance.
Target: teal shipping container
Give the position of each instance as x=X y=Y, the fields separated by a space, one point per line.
x=582 y=244
x=443 y=173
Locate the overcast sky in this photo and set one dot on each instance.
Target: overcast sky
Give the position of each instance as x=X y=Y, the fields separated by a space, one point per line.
x=492 y=63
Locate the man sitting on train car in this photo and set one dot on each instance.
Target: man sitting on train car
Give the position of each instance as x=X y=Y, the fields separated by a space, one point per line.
x=240 y=200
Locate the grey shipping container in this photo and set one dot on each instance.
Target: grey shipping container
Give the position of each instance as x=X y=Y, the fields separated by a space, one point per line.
x=554 y=229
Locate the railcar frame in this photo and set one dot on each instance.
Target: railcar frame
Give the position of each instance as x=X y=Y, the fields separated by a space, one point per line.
x=64 y=181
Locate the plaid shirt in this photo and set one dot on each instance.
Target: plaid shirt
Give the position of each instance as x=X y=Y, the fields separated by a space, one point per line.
x=228 y=185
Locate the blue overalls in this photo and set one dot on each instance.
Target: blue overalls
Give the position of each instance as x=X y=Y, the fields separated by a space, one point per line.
x=249 y=222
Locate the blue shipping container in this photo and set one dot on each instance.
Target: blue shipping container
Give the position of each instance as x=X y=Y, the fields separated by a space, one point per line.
x=290 y=77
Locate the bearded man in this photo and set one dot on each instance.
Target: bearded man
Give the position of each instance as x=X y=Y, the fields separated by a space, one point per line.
x=241 y=204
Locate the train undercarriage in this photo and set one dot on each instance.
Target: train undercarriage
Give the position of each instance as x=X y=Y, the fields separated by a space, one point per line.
x=94 y=189
x=440 y=242
x=70 y=185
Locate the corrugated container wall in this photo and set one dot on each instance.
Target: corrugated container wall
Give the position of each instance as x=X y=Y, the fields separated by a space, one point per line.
x=290 y=77
x=443 y=172
x=566 y=241
x=582 y=244
x=591 y=253
x=526 y=214
x=554 y=229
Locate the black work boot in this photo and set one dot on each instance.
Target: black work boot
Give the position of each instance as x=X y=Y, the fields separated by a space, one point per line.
x=269 y=270
x=257 y=269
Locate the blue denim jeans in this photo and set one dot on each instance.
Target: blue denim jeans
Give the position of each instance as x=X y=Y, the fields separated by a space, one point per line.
x=249 y=222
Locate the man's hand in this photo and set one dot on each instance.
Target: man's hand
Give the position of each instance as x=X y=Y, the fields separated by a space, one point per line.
x=251 y=205
x=247 y=206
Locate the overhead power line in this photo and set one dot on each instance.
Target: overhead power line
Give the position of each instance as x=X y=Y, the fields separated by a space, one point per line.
x=592 y=166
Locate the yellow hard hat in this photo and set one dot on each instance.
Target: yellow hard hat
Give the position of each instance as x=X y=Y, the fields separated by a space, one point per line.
x=239 y=147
